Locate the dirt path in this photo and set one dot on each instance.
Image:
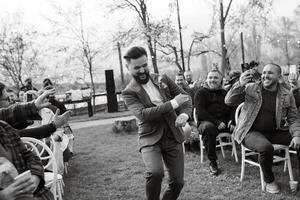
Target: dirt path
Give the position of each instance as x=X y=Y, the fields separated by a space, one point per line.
x=78 y=125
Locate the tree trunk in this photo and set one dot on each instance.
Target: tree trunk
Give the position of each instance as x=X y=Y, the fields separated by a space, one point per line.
x=225 y=66
x=93 y=87
x=189 y=55
x=152 y=54
x=223 y=45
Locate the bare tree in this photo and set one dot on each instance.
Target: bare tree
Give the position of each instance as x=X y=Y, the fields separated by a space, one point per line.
x=283 y=36
x=18 y=57
x=197 y=37
x=140 y=8
x=231 y=24
x=223 y=17
x=84 y=49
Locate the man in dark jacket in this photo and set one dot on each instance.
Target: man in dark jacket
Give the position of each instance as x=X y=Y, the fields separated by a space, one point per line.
x=213 y=115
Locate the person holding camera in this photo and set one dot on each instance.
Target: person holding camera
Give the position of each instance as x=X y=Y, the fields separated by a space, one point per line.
x=262 y=121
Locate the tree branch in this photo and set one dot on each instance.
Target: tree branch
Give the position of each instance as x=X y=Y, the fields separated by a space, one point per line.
x=227 y=10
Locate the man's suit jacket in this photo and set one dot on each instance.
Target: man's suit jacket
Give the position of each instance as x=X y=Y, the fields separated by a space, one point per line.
x=152 y=118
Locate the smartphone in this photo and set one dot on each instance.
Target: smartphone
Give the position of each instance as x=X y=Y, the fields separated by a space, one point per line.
x=293 y=69
x=26 y=174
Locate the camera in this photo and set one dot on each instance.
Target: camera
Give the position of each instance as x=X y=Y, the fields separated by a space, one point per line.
x=248 y=66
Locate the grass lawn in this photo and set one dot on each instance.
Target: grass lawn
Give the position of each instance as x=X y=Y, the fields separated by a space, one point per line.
x=107 y=166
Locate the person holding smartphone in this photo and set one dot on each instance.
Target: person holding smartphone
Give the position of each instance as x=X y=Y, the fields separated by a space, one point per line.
x=268 y=105
x=14 y=150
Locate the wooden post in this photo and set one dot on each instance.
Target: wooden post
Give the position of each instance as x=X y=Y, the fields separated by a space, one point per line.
x=90 y=108
x=121 y=64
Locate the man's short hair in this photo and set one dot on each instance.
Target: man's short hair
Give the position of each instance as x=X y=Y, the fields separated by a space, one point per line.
x=216 y=70
x=277 y=66
x=28 y=79
x=47 y=82
x=180 y=74
x=134 y=53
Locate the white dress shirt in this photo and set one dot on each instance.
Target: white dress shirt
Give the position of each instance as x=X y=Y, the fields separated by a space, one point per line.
x=155 y=96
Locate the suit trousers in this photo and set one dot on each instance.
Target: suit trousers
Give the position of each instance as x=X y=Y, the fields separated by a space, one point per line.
x=262 y=143
x=168 y=151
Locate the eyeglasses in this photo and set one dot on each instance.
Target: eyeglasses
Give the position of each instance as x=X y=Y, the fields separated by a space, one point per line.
x=5 y=99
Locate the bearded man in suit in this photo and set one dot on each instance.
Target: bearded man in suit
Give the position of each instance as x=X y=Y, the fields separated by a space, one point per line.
x=153 y=99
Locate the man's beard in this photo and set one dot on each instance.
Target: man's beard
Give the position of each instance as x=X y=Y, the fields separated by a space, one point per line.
x=270 y=85
x=142 y=81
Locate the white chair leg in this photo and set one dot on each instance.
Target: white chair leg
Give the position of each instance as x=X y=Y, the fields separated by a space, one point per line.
x=66 y=164
x=222 y=148
x=243 y=163
x=234 y=150
x=59 y=190
x=287 y=155
x=54 y=192
x=201 y=148
x=285 y=166
x=262 y=179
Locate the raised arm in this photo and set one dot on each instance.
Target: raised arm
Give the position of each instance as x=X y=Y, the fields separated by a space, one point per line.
x=175 y=90
x=140 y=111
x=235 y=95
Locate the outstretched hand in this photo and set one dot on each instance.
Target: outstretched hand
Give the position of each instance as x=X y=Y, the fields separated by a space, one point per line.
x=221 y=126
x=60 y=120
x=41 y=102
x=295 y=143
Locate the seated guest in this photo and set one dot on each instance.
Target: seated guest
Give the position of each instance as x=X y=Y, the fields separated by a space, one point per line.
x=268 y=105
x=192 y=139
x=181 y=82
x=213 y=115
x=189 y=78
x=14 y=150
x=37 y=132
x=28 y=87
x=47 y=84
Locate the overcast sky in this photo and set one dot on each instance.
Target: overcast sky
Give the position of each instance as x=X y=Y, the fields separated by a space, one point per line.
x=195 y=14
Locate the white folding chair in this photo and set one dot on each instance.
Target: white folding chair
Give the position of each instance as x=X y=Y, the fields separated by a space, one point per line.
x=247 y=152
x=53 y=180
x=60 y=183
x=230 y=142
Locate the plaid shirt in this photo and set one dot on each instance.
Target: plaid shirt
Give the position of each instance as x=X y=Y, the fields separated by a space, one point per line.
x=22 y=158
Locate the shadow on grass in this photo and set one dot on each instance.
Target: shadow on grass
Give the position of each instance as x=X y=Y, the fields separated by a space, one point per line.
x=108 y=166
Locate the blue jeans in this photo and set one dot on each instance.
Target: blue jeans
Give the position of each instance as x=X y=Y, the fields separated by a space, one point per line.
x=170 y=152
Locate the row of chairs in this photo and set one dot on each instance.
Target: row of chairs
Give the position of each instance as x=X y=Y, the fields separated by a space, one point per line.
x=226 y=139
x=53 y=180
